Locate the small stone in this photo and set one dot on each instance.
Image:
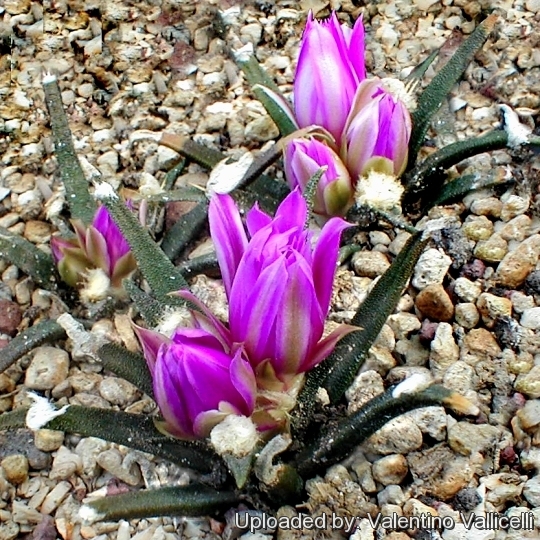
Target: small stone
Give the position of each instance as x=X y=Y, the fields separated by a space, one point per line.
x=477 y=228
x=474 y=269
x=390 y=469
x=529 y=416
x=466 y=439
x=38 y=232
x=431 y=420
x=379 y=237
x=15 y=468
x=48 y=368
x=399 y=436
x=492 y=250
x=519 y=263
x=370 y=263
x=467 y=315
x=403 y=324
x=513 y=206
x=434 y=303
x=431 y=268
x=111 y=461
x=490 y=206
x=365 y=387
x=492 y=307
x=516 y=229
x=529 y=383
x=65 y=464
x=117 y=391
x=392 y=494
x=9 y=530
x=88 y=449
x=444 y=350
x=261 y=129
x=479 y=344
x=48 y=440
x=396 y=245
x=55 y=497
x=521 y=302
x=10 y=317
x=530 y=318
x=467 y=290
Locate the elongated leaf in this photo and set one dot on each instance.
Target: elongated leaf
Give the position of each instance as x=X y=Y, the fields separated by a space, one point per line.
x=337 y=441
x=26 y=256
x=432 y=169
x=151 y=310
x=204 y=156
x=419 y=71
x=128 y=365
x=24 y=342
x=436 y=92
x=162 y=276
x=255 y=74
x=132 y=430
x=193 y=500
x=185 y=230
x=337 y=372
x=458 y=187
x=80 y=202
x=278 y=109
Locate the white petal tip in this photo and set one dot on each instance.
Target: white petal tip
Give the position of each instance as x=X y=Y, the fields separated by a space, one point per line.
x=48 y=77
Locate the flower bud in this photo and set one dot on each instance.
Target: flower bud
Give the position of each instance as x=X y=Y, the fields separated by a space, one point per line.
x=330 y=66
x=197 y=383
x=101 y=245
x=334 y=194
x=377 y=132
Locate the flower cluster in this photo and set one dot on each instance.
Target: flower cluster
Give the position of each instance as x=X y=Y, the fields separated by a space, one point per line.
x=99 y=256
x=279 y=287
x=369 y=126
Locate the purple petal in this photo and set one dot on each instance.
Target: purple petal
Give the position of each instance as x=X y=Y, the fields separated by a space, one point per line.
x=208 y=321
x=299 y=323
x=292 y=212
x=257 y=219
x=150 y=342
x=243 y=379
x=229 y=237
x=356 y=47
x=325 y=258
x=253 y=322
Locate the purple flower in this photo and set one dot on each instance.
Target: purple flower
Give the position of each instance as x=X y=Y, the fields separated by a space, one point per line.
x=100 y=245
x=377 y=132
x=303 y=158
x=199 y=376
x=330 y=67
x=197 y=382
x=278 y=285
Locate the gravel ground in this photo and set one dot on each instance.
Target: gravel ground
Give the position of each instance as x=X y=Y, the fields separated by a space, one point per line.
x=470 y=318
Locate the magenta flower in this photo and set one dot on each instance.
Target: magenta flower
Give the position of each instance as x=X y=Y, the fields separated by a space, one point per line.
x=278 y=285
x=377 y=132
x=199 y=376
x=101 y=245
x=335 y=192
x=330 y=67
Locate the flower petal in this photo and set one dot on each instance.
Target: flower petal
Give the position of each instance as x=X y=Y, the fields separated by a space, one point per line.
x=228 y=235
x=150 y=342
x=257 y=219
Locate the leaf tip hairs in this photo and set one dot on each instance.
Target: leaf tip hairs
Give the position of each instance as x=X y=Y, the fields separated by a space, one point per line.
x=48 y=77
x=41 y=412
x=88 y=514
x=104 y=192
x=517 y=132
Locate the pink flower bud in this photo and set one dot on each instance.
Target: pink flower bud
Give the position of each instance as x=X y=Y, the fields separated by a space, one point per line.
x=377 y=132
x=330 y=66
x=303 y=158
